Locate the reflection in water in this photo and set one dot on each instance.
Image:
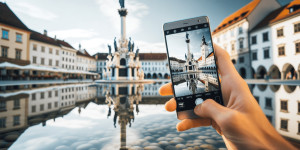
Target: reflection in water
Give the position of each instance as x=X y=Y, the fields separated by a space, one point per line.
x=282 y=107
x=78 y=112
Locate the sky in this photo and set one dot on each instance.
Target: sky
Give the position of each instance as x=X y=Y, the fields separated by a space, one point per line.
x=95 y=23
x=178 y=47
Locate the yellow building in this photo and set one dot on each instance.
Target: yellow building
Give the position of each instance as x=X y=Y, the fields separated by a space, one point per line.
x=14 y=39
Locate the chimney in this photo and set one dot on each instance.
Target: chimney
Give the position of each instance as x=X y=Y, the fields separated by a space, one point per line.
x=79 y=46
x=54 y=37
x=45 y=32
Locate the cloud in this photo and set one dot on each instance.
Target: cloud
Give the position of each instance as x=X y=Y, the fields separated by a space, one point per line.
x=73 y=33
x=70 y=124
x=33 y=11
x=136 y=10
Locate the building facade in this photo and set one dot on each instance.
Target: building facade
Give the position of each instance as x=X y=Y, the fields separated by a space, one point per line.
x=14 y=39
x=233 y=32
x=155 y=65
x=275 y=44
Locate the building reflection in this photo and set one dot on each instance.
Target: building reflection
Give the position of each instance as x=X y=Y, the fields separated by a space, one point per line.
x=281 y=105
x=21 y=109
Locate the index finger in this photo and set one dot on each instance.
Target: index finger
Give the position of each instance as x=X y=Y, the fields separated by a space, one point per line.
x=166 y=89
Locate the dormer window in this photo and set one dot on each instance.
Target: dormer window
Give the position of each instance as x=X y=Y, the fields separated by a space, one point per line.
x=291 y=9
x=294 y=8
x=243 y=14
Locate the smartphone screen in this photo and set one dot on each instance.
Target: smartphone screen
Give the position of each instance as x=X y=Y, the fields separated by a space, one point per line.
x=192 y=65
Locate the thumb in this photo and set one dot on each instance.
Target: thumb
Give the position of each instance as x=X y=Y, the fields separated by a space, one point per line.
x=210 y=109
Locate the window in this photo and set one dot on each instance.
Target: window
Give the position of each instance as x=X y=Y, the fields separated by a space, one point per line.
x=16 y=104
x=257 y=99
x=4 y=34
x=281 y=51
x=240 y=30
x=55 y=104
x=241 y=44
x=298 y=107
x=253 y=40
x=19 y=37
x=57 y=52
x=50 y=62
x=57 y=63
x=298 y=127
x=265 y=36
x=280 y=32
x=284 y=105
x=42 y=61
x=2 y=105
x=4 y=51
x=254 y=55
x=296 y=27
x=49 y=105
x=56 y=93
x=50 y=50
x=232 y=33
x=33 y=97
x=18 y=54
x=266 y=53
x=241 y=60
x=42 y=107
x=284 y=124
x=50 y=94
x=232 y=47
x=43 y=49
x=34 y=47
x=16 y=120
x=33 y=109
x=2 y=122
x=268 y=103
x=297 y=46
x=42 y=95
x=34 y=59
x=269 y=118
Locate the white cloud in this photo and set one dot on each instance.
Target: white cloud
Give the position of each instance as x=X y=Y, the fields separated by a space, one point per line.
x=73 y=33
x=33 y=11
x=136 y=10
x=71 y=123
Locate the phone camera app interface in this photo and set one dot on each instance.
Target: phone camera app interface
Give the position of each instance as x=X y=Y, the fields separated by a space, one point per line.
x=192 y=64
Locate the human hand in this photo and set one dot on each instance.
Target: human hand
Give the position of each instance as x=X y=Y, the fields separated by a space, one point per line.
x=241 y=123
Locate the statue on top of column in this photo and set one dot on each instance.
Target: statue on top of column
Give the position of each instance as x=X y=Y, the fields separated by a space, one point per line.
x=122 y=3
x=132 y=46
x=129 y=44
x=115 y=45
x=109 y=49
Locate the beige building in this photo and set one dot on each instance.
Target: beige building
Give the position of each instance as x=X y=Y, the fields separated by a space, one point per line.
x=14 y=39
x=85 y=62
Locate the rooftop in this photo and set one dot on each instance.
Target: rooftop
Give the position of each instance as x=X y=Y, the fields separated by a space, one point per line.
x=153 y=56
x=101 y=56
x=279 y=14
x=43 y=38
x=8 y=17
x=237 y=16
x=84 y=53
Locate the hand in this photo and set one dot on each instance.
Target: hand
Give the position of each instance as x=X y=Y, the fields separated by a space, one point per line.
x=241 y=123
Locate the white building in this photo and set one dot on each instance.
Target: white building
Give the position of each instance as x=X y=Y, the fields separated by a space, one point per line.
x=275 y=44
x=155 y=65
x=85 y=62
x=44 y=50
x=233 y=32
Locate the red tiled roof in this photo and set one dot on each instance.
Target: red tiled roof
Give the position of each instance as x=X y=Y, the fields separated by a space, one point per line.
x=8 y=17
x=153 y=56
x=101 y=56
x=84 y=53
x=237 y=16
x=176 y=59
x=209 y=55
x=43 y=38
x=278 y=14
x=64 y=43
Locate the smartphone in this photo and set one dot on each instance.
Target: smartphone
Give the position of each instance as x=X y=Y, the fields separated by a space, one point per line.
x=193 y=69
